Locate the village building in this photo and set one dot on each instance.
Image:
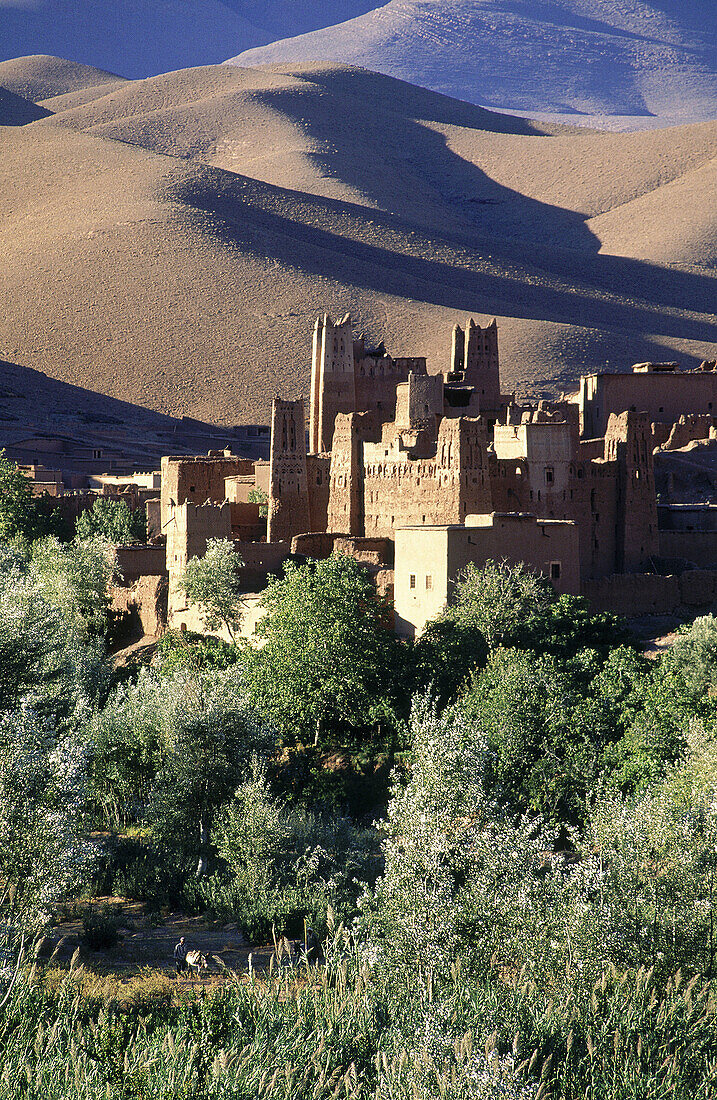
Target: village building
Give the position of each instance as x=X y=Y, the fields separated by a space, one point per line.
x=449 y=470
x=661 y=390
x=428 y=560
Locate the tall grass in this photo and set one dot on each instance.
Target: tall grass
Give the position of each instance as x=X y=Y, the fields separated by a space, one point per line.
x=349 y=1031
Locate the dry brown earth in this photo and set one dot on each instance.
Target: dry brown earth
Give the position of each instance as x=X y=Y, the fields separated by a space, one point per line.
x=169 y=241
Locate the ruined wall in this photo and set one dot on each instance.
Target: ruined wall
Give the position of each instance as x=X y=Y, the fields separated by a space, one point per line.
x=318 y=478
x=400 y=490
x=585 y=492
x=480 y=363
x=139 y=609
x=687 y=429
x=187 y=530
x=365 y=550
x=636 y=594
x=628 y=440
x=419 y=401
x=198 y=479
x=376 y=380
x=699 y=547
x=345 y=513
x=137 y=560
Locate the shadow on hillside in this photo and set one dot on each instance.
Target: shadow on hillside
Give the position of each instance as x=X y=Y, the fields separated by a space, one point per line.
x=15 y=110
x=406 y=167
x=563 y=287
x=399 y=97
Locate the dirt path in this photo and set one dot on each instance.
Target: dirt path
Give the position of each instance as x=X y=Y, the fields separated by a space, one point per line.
x=149 y=942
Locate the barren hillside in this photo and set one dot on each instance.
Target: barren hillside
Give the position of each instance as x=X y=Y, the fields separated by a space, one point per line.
x=632 y=58
x=169 y=241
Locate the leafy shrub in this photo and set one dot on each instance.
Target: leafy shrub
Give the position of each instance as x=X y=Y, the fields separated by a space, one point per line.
x=100 y=928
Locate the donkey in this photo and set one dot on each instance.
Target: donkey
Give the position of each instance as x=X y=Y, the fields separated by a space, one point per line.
x=196 y=962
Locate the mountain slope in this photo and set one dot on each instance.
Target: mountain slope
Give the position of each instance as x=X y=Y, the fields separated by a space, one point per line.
x=594 y=57
x=170 y=241
x=139 y=38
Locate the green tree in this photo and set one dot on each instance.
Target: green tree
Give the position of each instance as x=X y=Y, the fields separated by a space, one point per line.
x=17 y=516
x=46 y=659
x=172 y=748
x=42 y=796
x=544 y=736
x=498 y=600
x=112 y=520
x=327 y=657
x=75 y=578
x=214 y=584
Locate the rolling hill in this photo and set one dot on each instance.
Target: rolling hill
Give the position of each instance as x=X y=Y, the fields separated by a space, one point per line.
x=169 y=241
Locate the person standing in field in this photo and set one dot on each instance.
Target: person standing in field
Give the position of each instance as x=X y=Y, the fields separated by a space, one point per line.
x=180 y=955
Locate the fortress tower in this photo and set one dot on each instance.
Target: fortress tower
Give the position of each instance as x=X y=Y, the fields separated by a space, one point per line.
x=289 y=512
x=480 y=362
x=332 y=379
x=628 y=442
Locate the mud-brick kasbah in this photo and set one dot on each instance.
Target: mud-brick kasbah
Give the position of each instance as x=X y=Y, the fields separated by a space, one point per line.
x=610 y=491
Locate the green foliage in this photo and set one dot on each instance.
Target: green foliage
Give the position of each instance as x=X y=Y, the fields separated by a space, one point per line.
x=17 y=512
x=113 y=521
x=100 y=928
x=214 y=584
x=283 y=865
x=42 y=794
x=327 y=656
x=22 y=517
x=172 y=748
x=351 y=1031
x=445 y=655
x=76 y=578
x=45 y=660
x=544 y=737
x=499 y=600
x=258 y=496
x=179 y=648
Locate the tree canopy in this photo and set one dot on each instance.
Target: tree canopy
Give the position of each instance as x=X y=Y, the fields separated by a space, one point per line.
x=112 y=520
x=327 y=653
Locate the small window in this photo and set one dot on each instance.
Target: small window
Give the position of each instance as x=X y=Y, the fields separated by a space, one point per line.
x=97 y=454
x=549 y=475
x=412 y=580
x=429 y=582
x=555 y=570
x=580 y=473
x=661 y=409
x=192 y=488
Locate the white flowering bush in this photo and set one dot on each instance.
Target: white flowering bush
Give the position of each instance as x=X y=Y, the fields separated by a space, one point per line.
x=44 y=659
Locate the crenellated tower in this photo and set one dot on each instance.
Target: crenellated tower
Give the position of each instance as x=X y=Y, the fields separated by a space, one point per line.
x=332 y=379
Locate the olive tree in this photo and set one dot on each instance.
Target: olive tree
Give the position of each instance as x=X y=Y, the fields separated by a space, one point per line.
x=214 y=584
x=42 y=798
